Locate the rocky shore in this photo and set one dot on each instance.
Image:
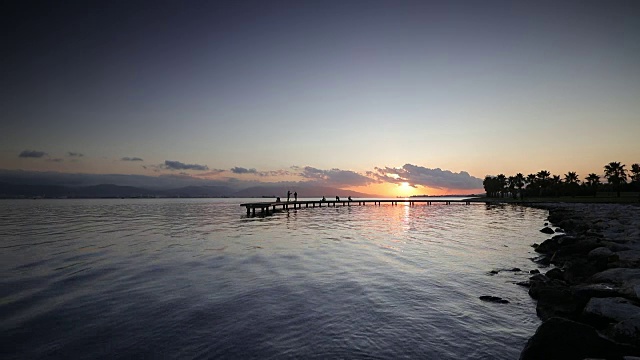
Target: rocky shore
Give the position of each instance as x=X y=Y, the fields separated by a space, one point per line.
x=589 y=298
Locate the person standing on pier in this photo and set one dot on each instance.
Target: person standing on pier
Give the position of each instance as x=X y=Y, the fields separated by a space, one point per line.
x=349 y=198
x=288 y=195
x=337 y=198
x=295 y=196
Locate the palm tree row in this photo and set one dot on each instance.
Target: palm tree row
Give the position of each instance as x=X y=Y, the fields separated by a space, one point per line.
x=543 y=183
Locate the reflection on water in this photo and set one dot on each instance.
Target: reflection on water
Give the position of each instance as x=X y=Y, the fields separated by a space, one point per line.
x=196 y=278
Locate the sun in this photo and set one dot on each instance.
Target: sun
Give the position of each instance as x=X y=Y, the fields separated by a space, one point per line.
x=405 y=185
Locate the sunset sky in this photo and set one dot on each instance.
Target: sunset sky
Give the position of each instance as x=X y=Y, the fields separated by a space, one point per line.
x=355 y=94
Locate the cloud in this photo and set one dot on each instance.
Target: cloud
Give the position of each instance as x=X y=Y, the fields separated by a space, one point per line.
x=433 y=178
x=126 y=158
x=32 y=154
x=177 y=165
x=55 y=160
x=241 y=170
x=74 y=154
x=336 y=177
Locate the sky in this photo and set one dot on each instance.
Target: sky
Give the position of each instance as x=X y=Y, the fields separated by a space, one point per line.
x=387 y=97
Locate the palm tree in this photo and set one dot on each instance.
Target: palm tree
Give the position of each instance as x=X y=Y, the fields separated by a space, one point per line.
x=571 y=182
x=511 y=180
x=519 y=182
x=543 y=179
x=532 y=183
x=491 y=186
x=556 y=184
x=502 y=180
x=635 y=172
x=615 y=174
x=571 y=178
x=593 y=180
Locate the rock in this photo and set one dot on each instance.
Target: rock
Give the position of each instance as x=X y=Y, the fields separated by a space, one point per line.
x=494 y=299
x=627 y=331
x=600 y=253
x=559 y=230
x=548 y=246
x=554 y=297
x=583 y=246
x=555 y=273
x=524 y=283
x=628 y=258
x=562 y=339
x=625 y=277
x=610 y=309
x=579 y=270
x=583 y=293
x=547 y=230
x=534 y=271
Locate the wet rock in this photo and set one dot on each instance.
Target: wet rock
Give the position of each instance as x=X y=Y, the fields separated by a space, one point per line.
x=610 y=309
x=562 y=339
x=555 y=274
x=559 y=230
x=547 y=230
x=494 y=299
x=534 y=271
x=524 y=283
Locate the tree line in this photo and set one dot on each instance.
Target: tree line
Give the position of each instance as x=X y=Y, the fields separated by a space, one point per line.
x=543 y=183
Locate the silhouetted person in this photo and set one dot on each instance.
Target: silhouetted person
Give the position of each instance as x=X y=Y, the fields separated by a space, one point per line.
x=295 y=196
x=278 y=199
x=337 y=198
x=288 y=195
x=349 y=198
x=324 y=199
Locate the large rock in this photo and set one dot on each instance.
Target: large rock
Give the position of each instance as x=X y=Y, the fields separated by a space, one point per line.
x=547 y=230
x=626 y=277
x=562 y=339
x=611 y=309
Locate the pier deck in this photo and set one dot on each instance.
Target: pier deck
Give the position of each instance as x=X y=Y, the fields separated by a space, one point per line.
x=266 y=207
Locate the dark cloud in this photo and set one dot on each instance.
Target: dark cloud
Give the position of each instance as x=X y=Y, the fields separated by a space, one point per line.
x=32 y=154
x=177 y=165
x=433 y=178
x=74 y=154
x=336 y=177
x=241 y=170
x=55 y=160
x=126 y=158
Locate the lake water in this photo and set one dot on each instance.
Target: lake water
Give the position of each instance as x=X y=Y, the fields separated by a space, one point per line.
x=197 y=278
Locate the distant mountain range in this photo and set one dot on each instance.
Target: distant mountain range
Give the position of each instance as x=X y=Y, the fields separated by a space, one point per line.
x=12 y=191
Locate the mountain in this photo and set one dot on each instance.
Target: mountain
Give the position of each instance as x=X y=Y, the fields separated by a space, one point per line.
x=198 y=191
x=304 y=191
x=10 y=190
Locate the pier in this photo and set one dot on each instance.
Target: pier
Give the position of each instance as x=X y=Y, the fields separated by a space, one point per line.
x=267 y=207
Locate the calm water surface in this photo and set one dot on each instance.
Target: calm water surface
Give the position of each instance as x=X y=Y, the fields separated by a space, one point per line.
x=196 y=278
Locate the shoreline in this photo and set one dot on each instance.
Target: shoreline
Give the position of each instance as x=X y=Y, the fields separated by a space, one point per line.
x=589 y=299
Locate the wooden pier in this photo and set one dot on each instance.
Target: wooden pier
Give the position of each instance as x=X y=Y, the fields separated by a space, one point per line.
x=266 y=207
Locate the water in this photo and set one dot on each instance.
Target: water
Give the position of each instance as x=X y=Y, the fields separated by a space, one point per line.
x=196 y=278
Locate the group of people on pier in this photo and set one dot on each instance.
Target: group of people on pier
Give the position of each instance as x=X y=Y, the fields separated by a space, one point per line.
x=295 y=197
